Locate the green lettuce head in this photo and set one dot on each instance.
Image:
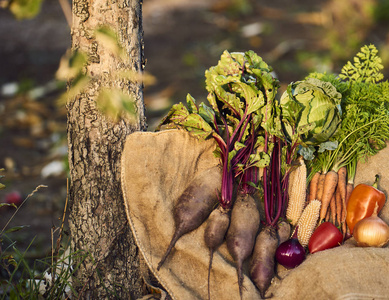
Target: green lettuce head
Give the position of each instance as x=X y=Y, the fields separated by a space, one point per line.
x=310 y=111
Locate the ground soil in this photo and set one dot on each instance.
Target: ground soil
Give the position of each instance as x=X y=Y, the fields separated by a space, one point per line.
x=182 y=39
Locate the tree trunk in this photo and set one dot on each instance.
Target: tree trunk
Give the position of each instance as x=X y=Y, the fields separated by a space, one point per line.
x=98 y=223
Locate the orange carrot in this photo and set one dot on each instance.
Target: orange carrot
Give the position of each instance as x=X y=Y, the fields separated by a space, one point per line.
x=342 y=177
x=342 y=184
x=344 y=230
x=320 y=186
x=313 y=187
x=343 y=219
x=339 y=206
x=327 y=217
x=349 y=189
x=330 y=183
x=333 y=209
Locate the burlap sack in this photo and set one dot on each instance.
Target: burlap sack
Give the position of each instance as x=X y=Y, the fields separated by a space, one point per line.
x=156 y=168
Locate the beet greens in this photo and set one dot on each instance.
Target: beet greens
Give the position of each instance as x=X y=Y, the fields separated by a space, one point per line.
x=239 y=89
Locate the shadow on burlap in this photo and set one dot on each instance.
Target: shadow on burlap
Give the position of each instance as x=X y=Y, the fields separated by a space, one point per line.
x=156 y=168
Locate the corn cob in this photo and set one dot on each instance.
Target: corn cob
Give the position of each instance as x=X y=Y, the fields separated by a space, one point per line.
x=307 y=223
x=292 y=177
x=297 y=192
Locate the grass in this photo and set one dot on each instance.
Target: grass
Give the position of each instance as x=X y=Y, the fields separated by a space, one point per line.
x=40 y=278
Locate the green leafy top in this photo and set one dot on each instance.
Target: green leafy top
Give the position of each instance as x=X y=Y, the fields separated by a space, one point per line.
x=241 y=92
x=366 y=68
x=365 y=125
x=239 y=85
x=197 y=120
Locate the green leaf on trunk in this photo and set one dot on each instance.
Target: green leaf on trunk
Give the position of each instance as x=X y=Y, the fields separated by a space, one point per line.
x=115 y=104
x=71 y=65
x=108 y=38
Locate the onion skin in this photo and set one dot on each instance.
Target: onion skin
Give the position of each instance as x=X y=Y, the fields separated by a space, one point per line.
x=372 y=231
x=290 y=253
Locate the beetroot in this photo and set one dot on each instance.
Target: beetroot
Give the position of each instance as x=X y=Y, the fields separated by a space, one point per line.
x=242 y=232
x=194 y=205
x=214 y=234
x=262 y=264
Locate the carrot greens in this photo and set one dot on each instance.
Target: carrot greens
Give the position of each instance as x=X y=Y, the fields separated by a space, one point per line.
x=365 y=105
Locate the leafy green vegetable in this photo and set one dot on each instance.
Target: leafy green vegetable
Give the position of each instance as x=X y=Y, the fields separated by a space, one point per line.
x=311 y=111
x=341 y=86
x=197 y=120
x=241 y=93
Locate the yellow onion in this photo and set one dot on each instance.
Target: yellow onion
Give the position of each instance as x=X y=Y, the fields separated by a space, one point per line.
x=372 y=231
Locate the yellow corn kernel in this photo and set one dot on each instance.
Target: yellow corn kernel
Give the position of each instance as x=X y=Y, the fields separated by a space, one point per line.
x=308 y=221
x=297 y=192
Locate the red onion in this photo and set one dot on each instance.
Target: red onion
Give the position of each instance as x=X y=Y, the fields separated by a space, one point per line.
x=290 y=254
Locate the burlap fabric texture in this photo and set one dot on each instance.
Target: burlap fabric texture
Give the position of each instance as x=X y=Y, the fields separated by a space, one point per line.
x=157 y=167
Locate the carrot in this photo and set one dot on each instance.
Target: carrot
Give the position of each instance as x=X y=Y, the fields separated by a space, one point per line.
x=241 y=234
x=349 y=189
x=320 y=186
x=342 y=182
x=327 y=216
x=262 y=264
x=330 y=183
x=194 y=205
x=333 y=208
x=313 y=186
x=214 y=234
x=339 y=206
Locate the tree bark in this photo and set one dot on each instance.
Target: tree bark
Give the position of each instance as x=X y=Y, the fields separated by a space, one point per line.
x=98 y=223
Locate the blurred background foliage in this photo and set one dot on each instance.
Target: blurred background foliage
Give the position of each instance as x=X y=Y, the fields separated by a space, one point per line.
x=183 y=38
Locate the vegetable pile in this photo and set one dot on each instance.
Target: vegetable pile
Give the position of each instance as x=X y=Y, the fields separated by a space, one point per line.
x=293 y=159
